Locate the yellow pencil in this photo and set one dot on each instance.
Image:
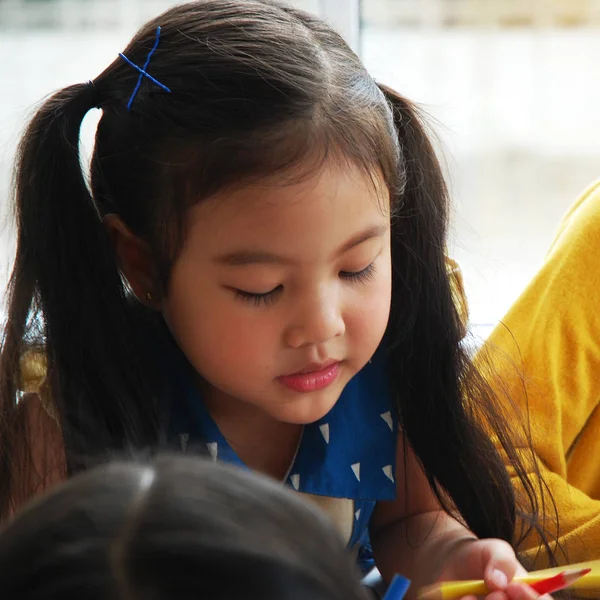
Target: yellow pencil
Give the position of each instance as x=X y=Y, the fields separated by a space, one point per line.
x=452 y=590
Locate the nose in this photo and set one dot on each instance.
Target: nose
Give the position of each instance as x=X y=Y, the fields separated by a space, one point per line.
x=319 y=319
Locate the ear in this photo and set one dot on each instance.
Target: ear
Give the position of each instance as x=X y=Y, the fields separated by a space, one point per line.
x=135 y=261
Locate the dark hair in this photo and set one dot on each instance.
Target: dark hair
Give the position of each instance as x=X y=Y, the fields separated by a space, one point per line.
x=174 y=528
x=256 y=87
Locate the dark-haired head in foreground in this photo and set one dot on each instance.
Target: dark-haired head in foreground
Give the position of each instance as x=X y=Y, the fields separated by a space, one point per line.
x=173 y=528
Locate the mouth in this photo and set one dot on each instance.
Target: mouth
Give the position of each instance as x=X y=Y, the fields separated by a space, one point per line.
x=313 y=377
x=315 y=367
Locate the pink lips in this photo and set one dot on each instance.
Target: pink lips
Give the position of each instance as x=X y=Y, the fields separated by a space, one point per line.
x=314 y=377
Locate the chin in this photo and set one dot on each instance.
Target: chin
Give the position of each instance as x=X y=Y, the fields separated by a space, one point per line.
x=307 y=410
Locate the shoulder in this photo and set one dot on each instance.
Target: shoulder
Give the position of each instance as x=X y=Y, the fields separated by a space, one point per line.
x=585 y=210
x=577 y=242
x=566 y=289
x=550 y=334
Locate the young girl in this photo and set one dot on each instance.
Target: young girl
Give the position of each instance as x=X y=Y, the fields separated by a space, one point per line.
x=257 y=270
x=174 y=528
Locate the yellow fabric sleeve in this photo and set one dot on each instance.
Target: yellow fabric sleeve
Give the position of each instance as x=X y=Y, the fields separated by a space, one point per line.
x=34 y=371
x=551 y=336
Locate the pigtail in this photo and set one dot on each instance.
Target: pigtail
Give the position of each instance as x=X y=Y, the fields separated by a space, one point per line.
x=66 y=296
x=442 y=400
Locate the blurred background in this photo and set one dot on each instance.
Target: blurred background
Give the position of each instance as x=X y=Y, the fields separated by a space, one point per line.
x=512 y=88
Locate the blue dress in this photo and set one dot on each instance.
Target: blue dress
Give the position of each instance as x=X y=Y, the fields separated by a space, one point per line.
x=348 y=454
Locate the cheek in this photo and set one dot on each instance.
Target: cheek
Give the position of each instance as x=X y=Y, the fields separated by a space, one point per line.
x=368 y=318
x=380 y=296
x=213 y=329
x=243 y=335
x=224 y=347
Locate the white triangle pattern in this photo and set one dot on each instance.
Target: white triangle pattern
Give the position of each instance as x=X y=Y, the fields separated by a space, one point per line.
x=356 y=468
x=184 y=437
x=295 y=479
x=213 y=448
x=388 y=472
x=357 y=514
x=325 y=431
x=387 y=417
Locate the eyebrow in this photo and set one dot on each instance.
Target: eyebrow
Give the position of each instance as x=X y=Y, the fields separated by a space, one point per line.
x=242 y=258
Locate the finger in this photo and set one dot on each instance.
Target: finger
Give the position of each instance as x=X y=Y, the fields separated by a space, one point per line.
x=521 y=591
x=501 y=567
x=496 y=596
x=496 y=578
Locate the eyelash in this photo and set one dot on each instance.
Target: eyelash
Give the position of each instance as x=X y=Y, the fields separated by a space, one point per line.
x=259 y=299
x=269 y=297
x=360 y=276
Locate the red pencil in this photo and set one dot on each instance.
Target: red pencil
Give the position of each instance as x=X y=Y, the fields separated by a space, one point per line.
x=558 y=582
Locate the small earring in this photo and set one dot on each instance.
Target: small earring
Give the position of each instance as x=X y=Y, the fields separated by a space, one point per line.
x=149 y=296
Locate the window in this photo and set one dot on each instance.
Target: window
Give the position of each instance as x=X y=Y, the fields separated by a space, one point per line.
x=513 y=87
x=41 y=45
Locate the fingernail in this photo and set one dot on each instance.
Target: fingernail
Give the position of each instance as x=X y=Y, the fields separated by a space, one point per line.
x=499 y=578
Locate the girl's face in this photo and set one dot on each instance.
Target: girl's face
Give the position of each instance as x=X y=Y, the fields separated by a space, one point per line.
x=282 y=291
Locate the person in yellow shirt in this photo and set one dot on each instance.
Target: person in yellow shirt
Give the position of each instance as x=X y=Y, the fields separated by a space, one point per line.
x=546 y=358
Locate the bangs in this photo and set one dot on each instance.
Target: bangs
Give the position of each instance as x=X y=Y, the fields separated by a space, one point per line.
x=291 y=151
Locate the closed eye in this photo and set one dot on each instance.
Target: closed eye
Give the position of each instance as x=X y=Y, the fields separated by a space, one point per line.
x=362 y=276
x=259 y=299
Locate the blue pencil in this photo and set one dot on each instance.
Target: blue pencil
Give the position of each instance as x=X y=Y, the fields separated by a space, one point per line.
x=397 y=588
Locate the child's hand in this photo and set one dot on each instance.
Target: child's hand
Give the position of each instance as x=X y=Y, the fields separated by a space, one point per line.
x=495 y=562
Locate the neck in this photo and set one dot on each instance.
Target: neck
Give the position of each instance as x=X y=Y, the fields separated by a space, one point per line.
x=262 y=443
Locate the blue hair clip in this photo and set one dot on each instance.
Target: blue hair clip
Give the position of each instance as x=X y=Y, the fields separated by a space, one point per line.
x=143 y=72
x=397 y=588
